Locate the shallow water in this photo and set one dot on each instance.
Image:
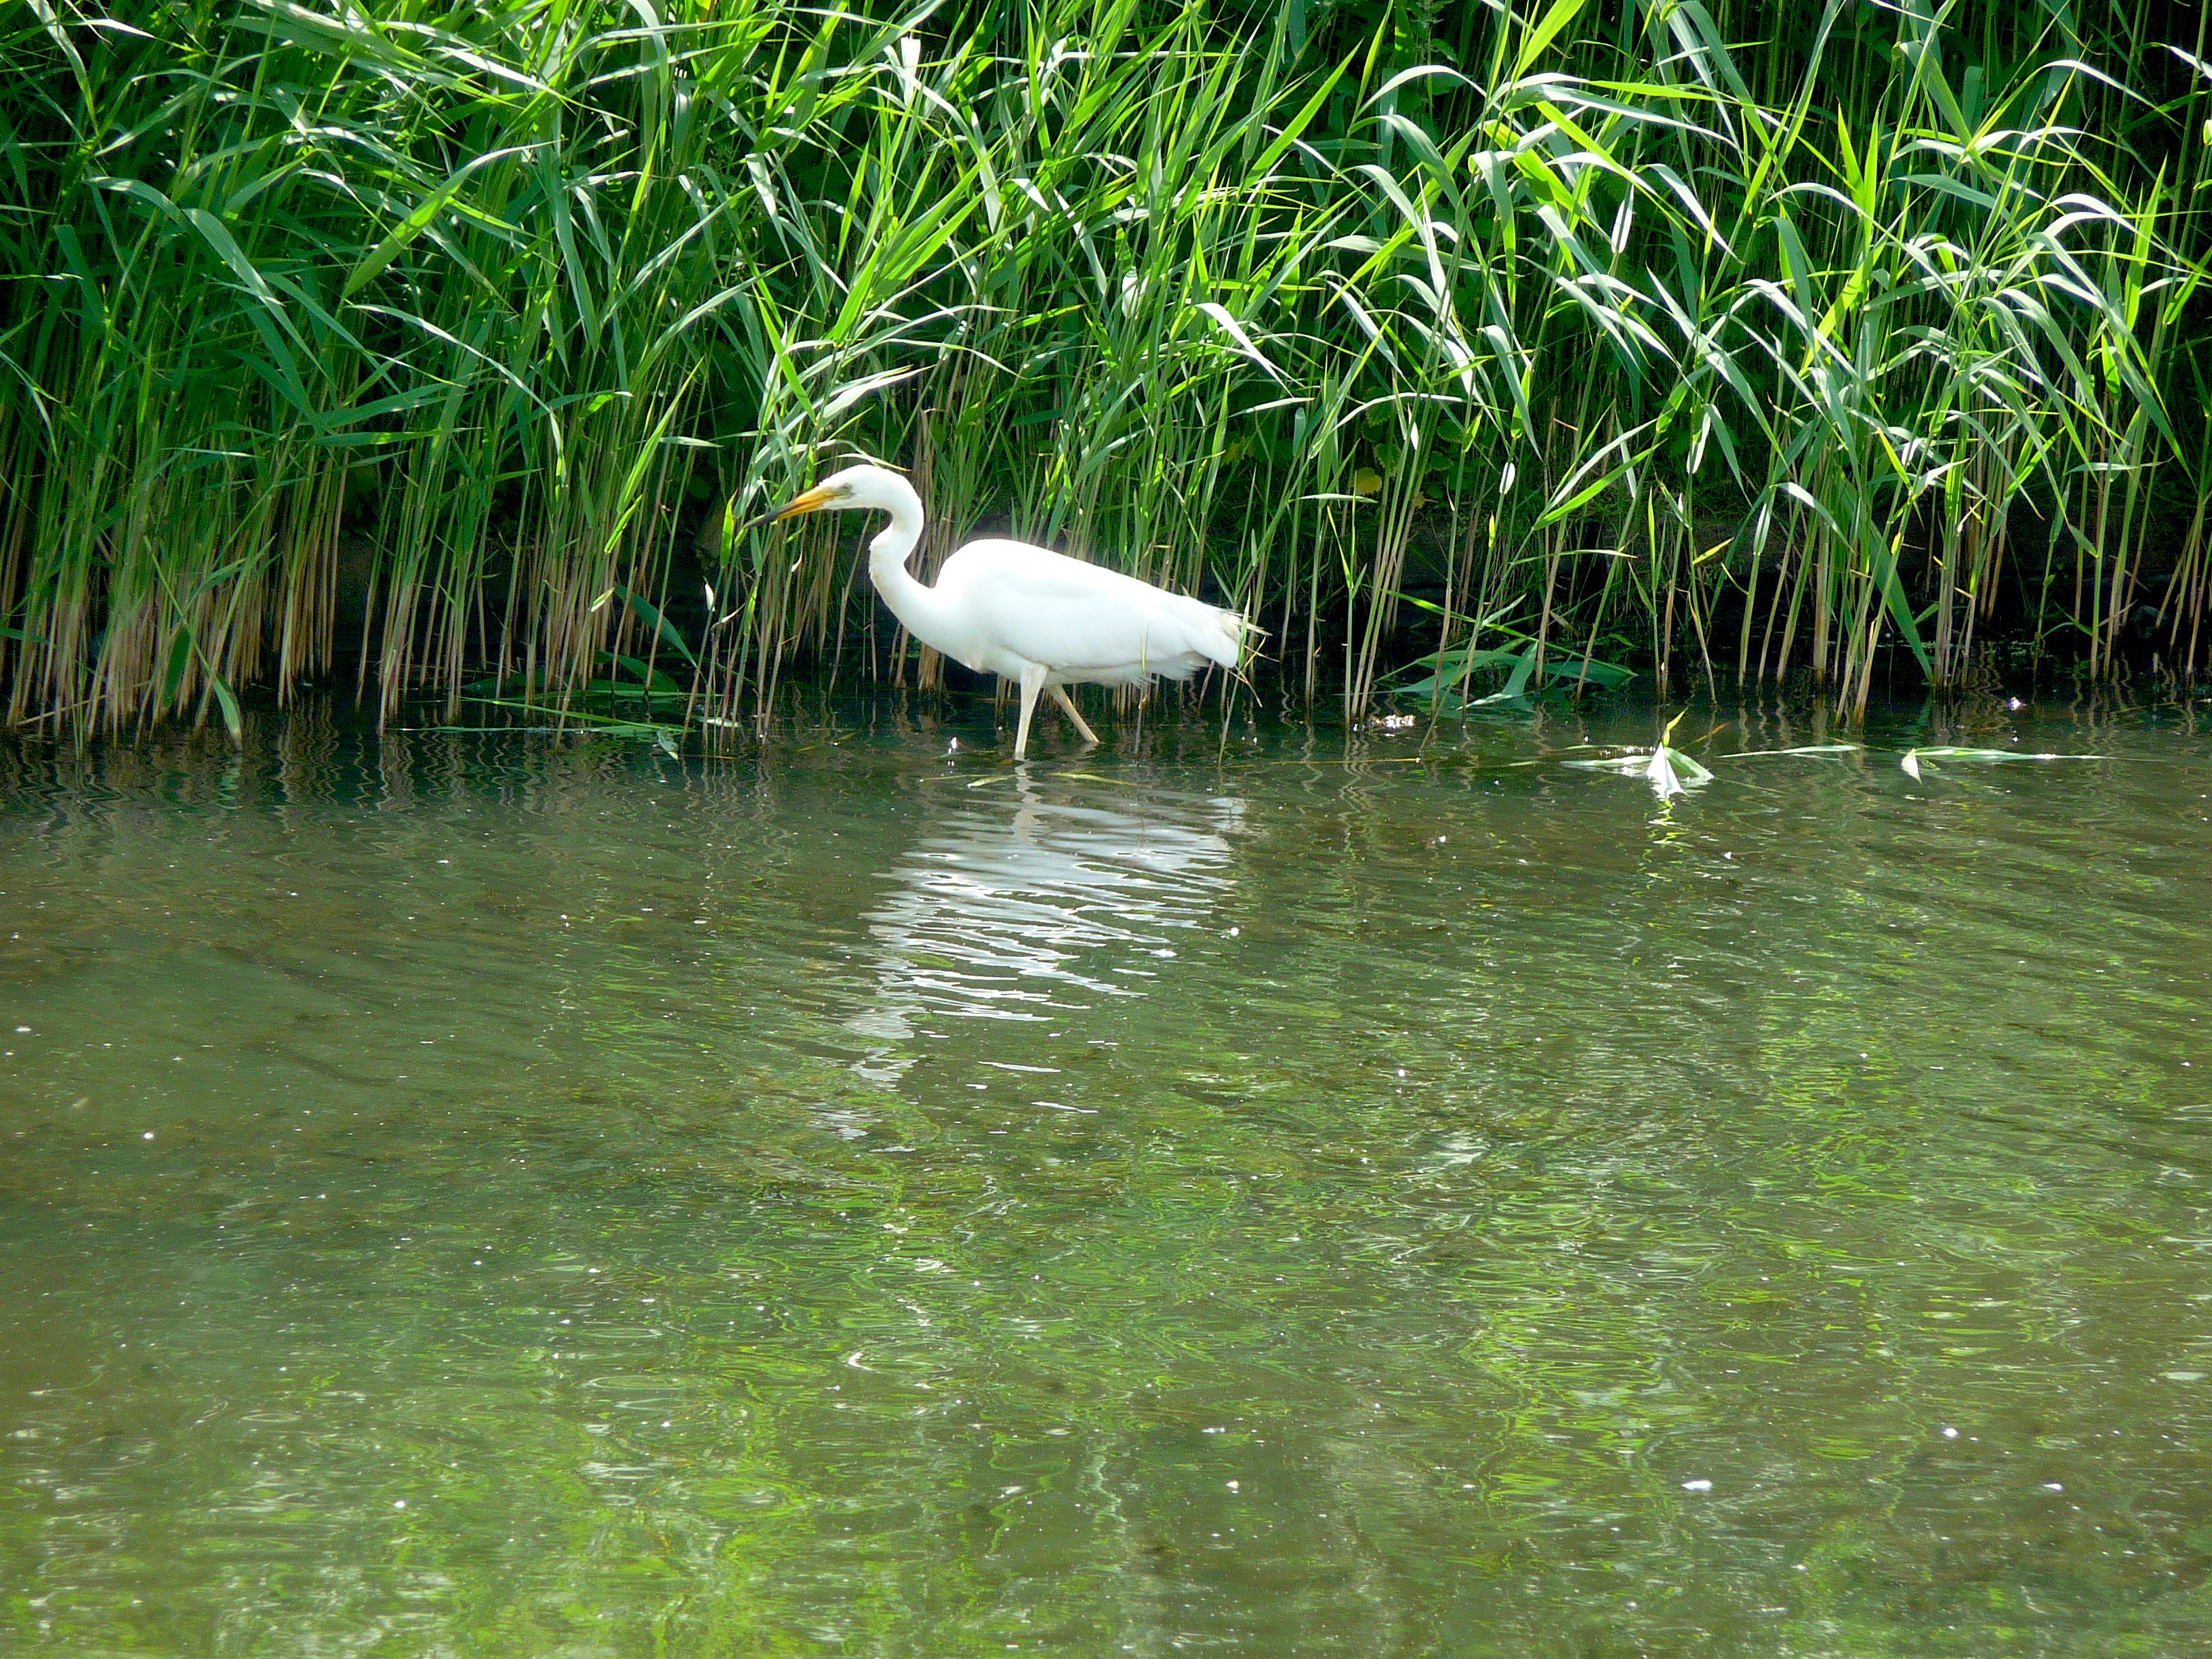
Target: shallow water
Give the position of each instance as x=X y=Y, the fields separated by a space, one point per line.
x=518 y=1194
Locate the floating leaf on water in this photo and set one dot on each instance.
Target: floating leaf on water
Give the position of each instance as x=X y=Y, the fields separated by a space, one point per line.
x=1669 y=771
x=1912 y=757
x=1673 y=773
x=1617 y=763
x=1995 y=754
x=1806 y=749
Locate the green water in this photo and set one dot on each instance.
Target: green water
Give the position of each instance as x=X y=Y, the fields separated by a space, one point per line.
x=515 y=1195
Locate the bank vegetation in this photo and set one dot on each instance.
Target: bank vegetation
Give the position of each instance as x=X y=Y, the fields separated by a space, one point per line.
x=439 y=349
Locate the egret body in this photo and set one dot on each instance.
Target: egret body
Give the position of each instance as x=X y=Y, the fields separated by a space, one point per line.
x=1026 y=613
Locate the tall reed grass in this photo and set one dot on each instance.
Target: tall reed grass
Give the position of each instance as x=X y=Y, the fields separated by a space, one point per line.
x=441 y=346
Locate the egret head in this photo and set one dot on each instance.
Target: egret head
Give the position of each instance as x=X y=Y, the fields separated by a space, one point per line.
x=858 y=487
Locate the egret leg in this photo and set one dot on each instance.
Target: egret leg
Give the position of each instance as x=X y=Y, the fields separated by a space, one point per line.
x=1032 y=683
x=1060 y=696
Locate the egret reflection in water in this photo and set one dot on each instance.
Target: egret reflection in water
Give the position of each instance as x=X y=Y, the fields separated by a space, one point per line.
x=1022 y=908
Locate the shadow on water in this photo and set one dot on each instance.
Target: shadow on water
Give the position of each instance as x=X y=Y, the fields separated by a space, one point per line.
x=1307 y=1193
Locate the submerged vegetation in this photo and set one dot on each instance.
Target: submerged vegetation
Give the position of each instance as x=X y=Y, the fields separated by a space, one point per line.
x=441 y=347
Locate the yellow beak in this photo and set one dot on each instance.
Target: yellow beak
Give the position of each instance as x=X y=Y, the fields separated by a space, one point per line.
x=812 y=501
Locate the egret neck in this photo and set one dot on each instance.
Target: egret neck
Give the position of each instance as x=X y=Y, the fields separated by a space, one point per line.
x=920 y=609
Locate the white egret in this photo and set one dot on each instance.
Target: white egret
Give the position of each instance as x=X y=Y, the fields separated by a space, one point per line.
x=1026 y=613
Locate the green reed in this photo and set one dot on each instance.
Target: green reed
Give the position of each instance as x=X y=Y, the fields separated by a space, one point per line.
x=461 y=339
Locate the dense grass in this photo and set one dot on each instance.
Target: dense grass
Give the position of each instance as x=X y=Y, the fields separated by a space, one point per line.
x=451 y=340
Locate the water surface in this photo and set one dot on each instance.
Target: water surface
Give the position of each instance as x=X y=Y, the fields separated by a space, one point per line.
x=1302 y=1193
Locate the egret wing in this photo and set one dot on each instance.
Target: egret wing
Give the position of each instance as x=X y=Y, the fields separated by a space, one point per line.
x=1074 y=617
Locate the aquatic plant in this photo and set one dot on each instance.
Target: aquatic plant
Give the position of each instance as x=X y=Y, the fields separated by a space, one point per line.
x=423 y=343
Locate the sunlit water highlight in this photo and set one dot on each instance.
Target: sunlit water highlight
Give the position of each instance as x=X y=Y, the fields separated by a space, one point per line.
x=516 y=1195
